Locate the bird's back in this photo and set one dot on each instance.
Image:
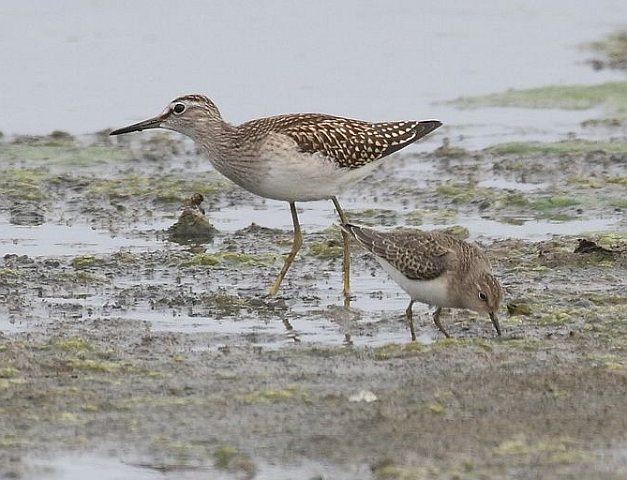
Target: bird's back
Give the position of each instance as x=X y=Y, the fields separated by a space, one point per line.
x=420 y=255
x=347 y=142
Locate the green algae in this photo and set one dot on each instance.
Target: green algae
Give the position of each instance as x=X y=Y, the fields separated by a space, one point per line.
x=457 y=231
x=6 y=383
x=69 y=418
x=585 y=182
x=557 y=201
x=23 y=184
x=6 y=273
x=128 y=258
x=614 y=240
x=521 y=450
x=396 y=350
x=326 y=249
x=398 y=472
x=568 y=97
x=63 y=154
x=167 y=188
x=467 y=193
x=224 y=455
x=12 y=442
x=458 y=192
x=415 y=217
x=85 y=261
x=229 y=304
x=9 y=372
x=73 y=344
x=94 y=366
x=273 y=396
x=230 y=459
x=559 y=317
x=374 y=216
x=621 y=180
x=614 y=50
x=436 y=408
x=599 y=299
x=609 y=361
x=219 y=259
x=512 y=199
x=565 y=147
x=204 y=260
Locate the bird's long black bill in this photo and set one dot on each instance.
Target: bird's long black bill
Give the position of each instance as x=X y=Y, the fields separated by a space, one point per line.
x=154 y=122
x=495 y=322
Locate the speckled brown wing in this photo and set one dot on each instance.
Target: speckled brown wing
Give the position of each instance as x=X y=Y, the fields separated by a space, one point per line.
x=417 y=255
x=350 y=143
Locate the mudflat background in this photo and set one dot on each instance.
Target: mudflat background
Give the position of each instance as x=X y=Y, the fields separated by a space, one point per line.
x=127 y=351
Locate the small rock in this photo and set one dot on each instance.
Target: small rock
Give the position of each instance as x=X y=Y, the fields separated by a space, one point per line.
x=587 y=246
x=192 y=226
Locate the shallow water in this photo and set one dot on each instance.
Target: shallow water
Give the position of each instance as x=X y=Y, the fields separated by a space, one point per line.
x=108 y=64
x=50 y=239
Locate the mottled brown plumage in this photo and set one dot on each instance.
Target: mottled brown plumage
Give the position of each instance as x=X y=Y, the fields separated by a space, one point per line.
x=435 y=268
x=349 y=143
x=420 y=255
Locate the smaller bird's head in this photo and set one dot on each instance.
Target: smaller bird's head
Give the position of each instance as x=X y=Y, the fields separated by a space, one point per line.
x=191 y=115
x=483 y=293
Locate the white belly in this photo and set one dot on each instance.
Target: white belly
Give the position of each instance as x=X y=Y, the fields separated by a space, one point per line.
x=293 y=176
x=433 y=292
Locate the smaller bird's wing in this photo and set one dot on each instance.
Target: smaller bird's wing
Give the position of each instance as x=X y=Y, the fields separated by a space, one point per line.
x=350 y=143
x=417 y=255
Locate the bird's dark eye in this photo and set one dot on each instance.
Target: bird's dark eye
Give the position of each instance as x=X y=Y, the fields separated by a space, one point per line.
x=179 y=108
x=483 y=296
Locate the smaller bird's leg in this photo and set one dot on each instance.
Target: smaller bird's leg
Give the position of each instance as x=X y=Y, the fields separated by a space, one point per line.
x=346 y=266
x=298 y=242
x=436 y=320
x=410 y=320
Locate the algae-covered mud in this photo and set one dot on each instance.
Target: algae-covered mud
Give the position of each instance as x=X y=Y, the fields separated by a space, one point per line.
x=137 y=339
x=126 y=351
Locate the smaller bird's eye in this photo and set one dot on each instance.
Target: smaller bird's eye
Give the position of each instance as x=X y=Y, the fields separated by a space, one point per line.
x=179 y=108
x=483 y=296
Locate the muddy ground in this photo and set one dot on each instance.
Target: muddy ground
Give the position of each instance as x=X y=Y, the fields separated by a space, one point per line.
x=165 y=360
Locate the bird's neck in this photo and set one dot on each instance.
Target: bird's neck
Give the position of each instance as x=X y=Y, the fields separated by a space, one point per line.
x=222 y=147
x=215 y=140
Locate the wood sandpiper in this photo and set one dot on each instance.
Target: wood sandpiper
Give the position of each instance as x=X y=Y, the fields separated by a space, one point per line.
x=434 y=268
x=294 y=158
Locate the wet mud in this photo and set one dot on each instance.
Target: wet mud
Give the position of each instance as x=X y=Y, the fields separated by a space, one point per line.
x=167 y=357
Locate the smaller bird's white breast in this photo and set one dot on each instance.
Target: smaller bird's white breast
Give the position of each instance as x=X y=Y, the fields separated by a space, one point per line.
x=433 y=292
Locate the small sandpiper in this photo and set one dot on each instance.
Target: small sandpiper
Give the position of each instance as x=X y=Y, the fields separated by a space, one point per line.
x=295 y=158
x=434 y=268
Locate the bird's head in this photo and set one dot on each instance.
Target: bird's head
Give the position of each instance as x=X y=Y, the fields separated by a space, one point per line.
x=191 y=115
x=483 y=293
